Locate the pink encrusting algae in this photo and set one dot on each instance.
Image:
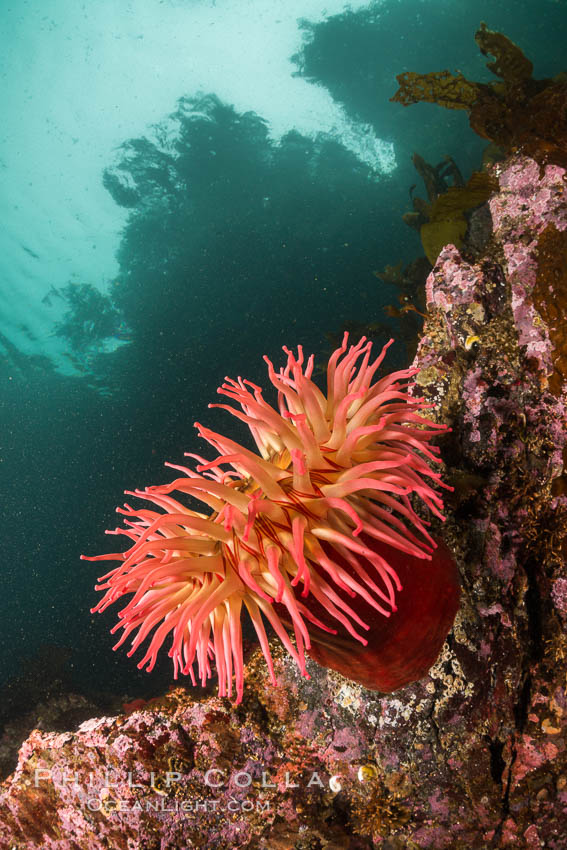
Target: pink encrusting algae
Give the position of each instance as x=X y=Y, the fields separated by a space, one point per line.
x=292 y=530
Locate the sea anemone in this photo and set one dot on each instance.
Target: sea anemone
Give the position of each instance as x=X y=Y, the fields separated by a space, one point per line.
x=311 y=535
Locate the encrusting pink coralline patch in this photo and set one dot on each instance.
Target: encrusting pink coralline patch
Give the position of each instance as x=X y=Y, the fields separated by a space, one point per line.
x=311 y=533
x=530 y=198
x=559 y=596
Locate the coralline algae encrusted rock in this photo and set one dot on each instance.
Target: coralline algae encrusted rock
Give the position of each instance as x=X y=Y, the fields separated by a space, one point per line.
x=487 y=363
x=531 y=198
x=195 y=774
x=472 y=756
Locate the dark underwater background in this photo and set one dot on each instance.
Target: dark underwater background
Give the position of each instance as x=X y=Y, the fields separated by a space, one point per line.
x=158 y=235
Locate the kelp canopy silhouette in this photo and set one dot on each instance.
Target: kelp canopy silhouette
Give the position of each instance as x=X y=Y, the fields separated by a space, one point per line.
x=227 y=226
x=356 y=56
x=89 y=318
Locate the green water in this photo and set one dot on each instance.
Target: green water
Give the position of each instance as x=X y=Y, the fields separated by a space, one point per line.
x=186 y=187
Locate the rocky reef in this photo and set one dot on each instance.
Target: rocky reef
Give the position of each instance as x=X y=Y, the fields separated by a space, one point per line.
x=473 y=755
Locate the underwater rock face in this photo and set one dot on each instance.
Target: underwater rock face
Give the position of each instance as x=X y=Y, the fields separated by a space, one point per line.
x=473 y=755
